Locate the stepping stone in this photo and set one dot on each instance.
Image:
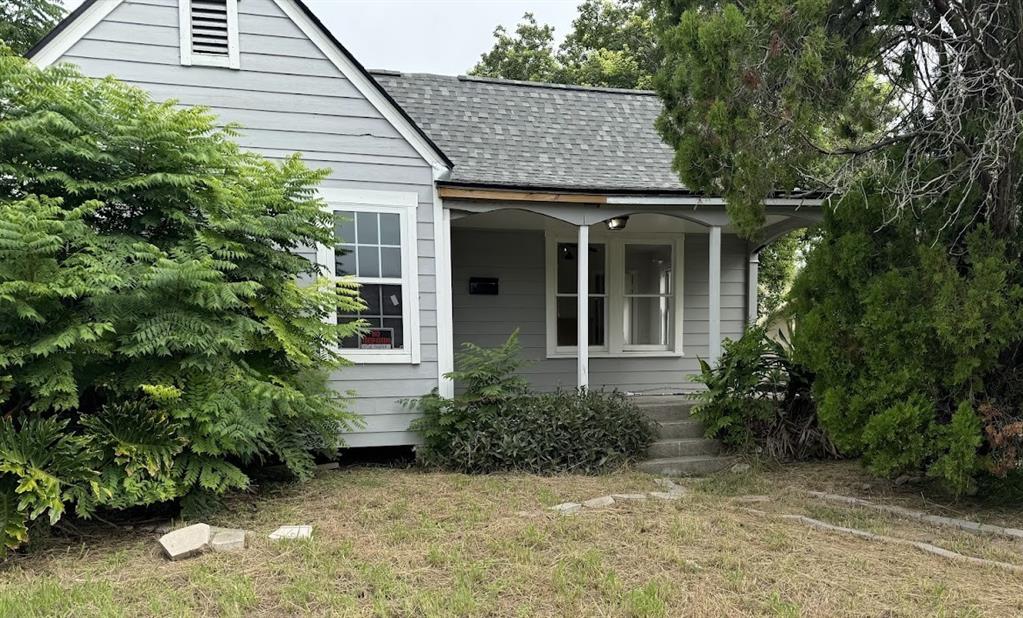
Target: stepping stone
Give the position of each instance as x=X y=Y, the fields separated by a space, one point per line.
x=740 y=468
x=620 y=497
x=227 y=539
x=752 y=499
x=567 y=508
x=186 y=542
x=291 y=532
x=665 y=495
x=596 y=503
x=332 y=465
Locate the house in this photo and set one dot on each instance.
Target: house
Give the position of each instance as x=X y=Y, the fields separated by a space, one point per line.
x=471 y=207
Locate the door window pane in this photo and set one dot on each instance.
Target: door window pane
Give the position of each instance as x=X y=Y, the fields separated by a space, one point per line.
x=648 y=320
x=568 y=268
x=568 y=320
x=647 y=269
x=648 y=315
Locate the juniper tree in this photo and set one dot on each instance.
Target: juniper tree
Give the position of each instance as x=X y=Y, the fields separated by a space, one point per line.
x=909 y=114
x=158 y=329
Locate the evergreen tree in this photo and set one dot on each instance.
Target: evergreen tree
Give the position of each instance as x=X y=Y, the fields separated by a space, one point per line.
x=154 y=333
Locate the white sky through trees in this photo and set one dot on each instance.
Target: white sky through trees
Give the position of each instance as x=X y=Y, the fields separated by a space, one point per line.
x=430 y=36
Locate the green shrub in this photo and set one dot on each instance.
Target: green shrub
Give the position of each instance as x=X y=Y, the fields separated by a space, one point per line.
x=757 y=398
x=912 y=329
x=495 y=424
x=154 y=337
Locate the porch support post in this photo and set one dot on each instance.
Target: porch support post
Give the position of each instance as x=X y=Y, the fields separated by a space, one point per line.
x=583 y=308
x=714 y=291
x=753 y=280
x=445 y=321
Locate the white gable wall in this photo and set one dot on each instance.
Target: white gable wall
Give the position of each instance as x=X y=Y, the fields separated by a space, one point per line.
x=290 y=97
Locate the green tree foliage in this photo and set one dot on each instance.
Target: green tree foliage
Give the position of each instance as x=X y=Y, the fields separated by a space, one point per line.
x=758 y=398
x=154 y=334
x=611 y=44
x=24 y=22
x=777 y=271
x=908 y=113
x=907 y=340
x=495 y=424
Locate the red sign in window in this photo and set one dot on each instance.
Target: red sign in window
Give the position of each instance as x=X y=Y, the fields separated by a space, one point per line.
x=377 y=339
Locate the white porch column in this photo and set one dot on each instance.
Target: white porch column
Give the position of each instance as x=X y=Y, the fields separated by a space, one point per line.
x=583 y=308
x=753 y=275
x=445 y=321
x=714 y=290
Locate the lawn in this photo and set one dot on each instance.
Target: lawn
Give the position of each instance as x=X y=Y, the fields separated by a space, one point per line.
x=405 y=543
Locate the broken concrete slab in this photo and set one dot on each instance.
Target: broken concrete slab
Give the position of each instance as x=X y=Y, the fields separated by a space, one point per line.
x=665 y=495
x=186 y=542
x=740 y=468
x=596 y=503
x=330 y=465
x=623 y=497
x=567 y=508
x=291 y=532
x=227 y=539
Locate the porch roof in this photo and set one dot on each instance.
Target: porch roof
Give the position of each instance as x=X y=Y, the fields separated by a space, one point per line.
x=512 y=134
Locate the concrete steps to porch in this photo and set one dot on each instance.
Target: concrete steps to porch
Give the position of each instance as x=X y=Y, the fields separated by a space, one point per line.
x=680 y=448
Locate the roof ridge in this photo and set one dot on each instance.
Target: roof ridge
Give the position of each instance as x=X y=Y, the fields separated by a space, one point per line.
x=518 y=82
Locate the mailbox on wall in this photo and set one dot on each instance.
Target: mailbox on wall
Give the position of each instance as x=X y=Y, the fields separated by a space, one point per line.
x=483 y=286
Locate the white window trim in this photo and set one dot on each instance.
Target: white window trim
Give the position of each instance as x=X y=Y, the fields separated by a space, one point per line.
x=404 y=204
x=614 y=243
x=233 y=59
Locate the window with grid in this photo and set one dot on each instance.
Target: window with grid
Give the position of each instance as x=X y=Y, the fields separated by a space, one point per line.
x=370 y=249
x=567 y=307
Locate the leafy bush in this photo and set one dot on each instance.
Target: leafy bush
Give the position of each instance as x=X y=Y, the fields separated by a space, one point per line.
x=154 y=336
x=497 y=425
x=913 y=330
x=756 y=397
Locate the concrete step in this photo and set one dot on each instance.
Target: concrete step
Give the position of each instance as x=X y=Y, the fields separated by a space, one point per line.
x=667 y=411
x=686 y=466
x=676 y=430
x=683 y=448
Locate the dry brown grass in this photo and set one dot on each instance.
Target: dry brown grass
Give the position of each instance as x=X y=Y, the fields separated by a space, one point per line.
x=405 y=543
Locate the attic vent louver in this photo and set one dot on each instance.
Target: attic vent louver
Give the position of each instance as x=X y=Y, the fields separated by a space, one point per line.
x=209 y=27
x=209 y=32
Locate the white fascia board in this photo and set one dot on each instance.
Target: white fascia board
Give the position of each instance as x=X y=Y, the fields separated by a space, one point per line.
x=705 y=201
x=363 y=84
x=82 y=25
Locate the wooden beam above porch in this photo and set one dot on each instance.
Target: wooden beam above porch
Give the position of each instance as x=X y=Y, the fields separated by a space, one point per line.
x=507 y=195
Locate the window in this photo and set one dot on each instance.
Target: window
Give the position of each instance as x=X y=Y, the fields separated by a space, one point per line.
x=647 y=312
x=633 y=284
x=567 y=297
x=209 y=32
x=375 y=244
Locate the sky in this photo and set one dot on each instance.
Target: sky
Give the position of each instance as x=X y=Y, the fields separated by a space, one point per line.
x=429 y=36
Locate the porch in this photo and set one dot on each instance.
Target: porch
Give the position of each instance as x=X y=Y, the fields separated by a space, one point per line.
x=660 y=286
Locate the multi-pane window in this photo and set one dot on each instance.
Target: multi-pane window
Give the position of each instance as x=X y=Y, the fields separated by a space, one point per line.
x=647 y=312
x=370 y=248
x=633 y=295
x=567 y=295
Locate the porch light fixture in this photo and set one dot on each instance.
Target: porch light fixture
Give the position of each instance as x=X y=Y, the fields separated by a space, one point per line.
x=617 y=223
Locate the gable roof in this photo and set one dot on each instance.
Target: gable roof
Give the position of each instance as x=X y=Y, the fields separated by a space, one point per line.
x=78 y=23
x=503 y=133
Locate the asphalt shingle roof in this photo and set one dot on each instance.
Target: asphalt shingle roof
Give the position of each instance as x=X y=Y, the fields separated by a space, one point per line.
x=524 y=134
